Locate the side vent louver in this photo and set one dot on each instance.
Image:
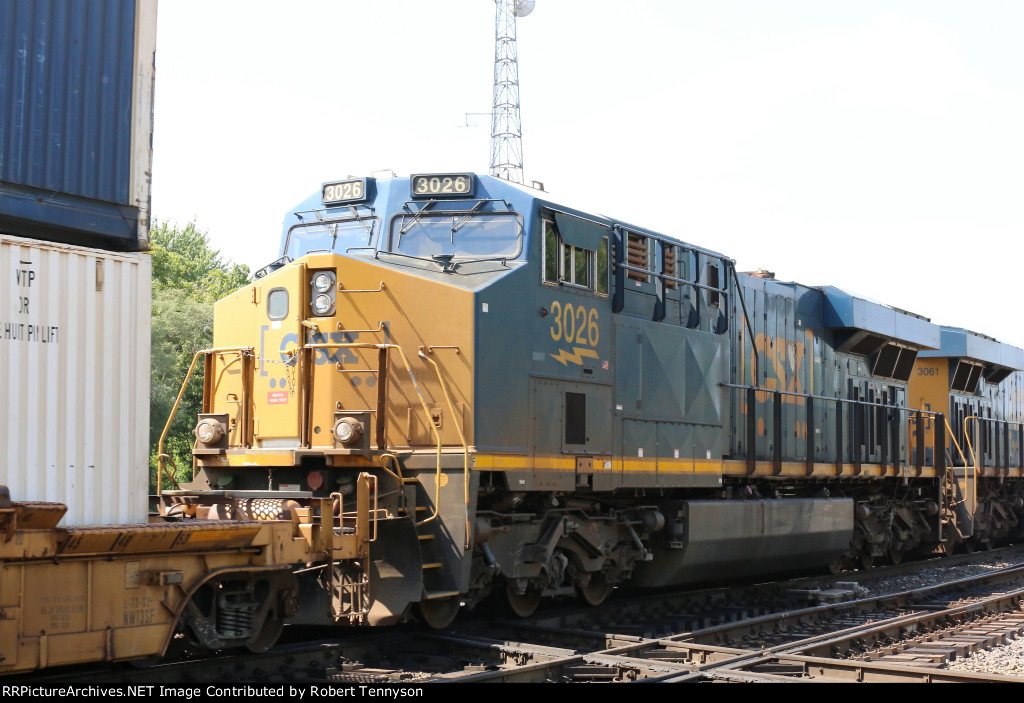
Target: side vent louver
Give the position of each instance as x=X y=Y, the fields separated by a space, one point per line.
x=894 y=361
x=637 y=254
x=996 y=374
x=965 y=376
x=670 y=265
x=867 y=344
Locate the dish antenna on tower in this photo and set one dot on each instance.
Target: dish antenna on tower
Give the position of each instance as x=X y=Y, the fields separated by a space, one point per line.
x=506 y=129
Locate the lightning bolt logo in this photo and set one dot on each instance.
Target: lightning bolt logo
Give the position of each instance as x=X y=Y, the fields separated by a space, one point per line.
x=575 y=357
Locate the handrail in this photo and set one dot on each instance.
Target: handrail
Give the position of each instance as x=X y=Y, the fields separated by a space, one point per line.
x=960 y=451
x=241 y=351
x=746 y=321
x=972 y=480
x=365 y=290
x=462 y=438
x=781 y=391
x=381 y=326
x=777 y=394
x=423 y=404
x=388 y=457
x=666 y=277
x=975 y=460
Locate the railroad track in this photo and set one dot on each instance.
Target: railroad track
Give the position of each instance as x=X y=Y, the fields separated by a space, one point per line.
x=803 y=630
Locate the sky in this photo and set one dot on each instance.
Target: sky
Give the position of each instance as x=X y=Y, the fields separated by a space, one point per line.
x=877 y=146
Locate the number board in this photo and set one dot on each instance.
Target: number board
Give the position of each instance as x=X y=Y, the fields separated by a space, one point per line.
x=353 y=190
x=442 y=185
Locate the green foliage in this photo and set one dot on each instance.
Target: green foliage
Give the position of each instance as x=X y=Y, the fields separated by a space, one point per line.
x=183 y=259
x=188 y=277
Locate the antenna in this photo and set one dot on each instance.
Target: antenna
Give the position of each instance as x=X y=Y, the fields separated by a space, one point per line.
x=506 y=129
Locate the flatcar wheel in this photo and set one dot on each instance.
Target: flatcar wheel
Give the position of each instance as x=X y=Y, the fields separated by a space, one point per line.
x=438 y=613
x=866 y=561
x=522 y=604
x=596 y=590
x=267 y=638
x=895 y=555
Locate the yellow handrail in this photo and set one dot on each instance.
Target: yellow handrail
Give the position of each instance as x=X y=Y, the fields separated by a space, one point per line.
x=462 y=437
x=959 y=450
x=419 y=393
x=174 y=410
x=974 y=460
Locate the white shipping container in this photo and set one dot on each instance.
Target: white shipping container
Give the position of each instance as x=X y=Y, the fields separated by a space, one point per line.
x=74 y=372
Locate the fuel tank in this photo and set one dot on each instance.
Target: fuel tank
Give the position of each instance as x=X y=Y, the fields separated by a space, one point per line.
x=713 y=540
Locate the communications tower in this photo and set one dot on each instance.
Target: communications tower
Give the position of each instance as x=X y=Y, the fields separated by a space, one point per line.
x=506 y=129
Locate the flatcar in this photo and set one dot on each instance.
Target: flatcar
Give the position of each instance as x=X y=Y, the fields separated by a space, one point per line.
x=546 y=402
x=81 y=594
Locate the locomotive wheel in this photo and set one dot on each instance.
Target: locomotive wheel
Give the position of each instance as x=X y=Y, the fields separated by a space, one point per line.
x=438 y=613
x=522 y=604
x=895 y=555
x=596 y=590
x=866 y=561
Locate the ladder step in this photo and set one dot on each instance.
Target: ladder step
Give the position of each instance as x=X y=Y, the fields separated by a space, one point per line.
x=434 y=595
x=432 y=565
x=425 y=537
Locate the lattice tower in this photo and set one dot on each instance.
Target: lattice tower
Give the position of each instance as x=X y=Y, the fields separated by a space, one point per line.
x=506 y=128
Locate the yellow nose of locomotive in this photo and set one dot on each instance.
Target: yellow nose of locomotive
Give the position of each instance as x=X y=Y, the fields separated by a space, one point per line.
x=316 y=370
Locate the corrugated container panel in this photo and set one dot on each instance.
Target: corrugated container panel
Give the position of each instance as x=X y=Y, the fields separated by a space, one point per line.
x=74 y=373
x=76 y=90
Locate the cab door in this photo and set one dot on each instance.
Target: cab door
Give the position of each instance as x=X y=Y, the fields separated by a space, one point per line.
x=277 y=391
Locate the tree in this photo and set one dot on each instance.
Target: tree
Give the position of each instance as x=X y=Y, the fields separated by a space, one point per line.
x=188 y=277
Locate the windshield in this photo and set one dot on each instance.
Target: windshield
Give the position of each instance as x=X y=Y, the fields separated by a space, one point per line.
x=337 y=236
x=461 y=235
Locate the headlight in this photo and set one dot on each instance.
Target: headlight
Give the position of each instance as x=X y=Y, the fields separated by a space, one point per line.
x=322 y=304
x=348 y=430
x=209 y=431
x=322 y=292
x=323 y=281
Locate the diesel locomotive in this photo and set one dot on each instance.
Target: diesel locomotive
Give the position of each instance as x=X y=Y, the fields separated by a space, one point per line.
x=488 y=392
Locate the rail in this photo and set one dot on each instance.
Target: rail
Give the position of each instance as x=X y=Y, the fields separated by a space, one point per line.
x=996 y=442
x=380 y=410
x=458 y=426
x=384 y=349
x=888 y=432
x=161 y=444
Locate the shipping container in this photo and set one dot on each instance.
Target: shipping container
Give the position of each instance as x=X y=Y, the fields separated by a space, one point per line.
x=74 y=375
x=76 y=103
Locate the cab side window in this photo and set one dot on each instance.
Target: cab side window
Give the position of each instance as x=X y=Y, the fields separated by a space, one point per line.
x=573 y=265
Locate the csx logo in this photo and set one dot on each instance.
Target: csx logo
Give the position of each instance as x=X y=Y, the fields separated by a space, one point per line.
x=322 y=356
